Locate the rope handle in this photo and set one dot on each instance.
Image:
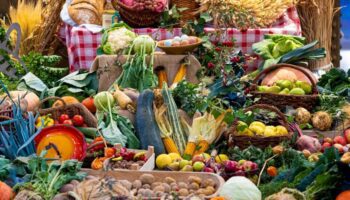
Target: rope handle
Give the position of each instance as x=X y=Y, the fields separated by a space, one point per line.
x=305 y=71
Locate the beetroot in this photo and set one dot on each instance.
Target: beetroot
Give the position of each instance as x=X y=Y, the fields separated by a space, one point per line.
x=309 y=143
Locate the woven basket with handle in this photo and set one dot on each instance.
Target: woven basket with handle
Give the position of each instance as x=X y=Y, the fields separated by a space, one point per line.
x=282 y=100
x=191 y=6
x=243 y=141
x=69 y=109
x=136 y=18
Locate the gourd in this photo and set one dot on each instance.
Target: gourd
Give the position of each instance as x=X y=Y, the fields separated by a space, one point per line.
x=147 y=129
x=28 y=100
x=178 y=135
x=344 y=195
x=6 y=192
x=67 y=100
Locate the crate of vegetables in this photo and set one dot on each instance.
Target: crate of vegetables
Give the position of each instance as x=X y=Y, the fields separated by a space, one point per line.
x=285 y=85
x=118 y=157
x=66 y=110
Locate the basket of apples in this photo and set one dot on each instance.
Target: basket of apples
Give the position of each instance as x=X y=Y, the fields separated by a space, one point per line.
x=140 y=13
x=179 y=45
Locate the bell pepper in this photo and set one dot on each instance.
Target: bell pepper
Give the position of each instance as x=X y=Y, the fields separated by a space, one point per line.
x=44 y=121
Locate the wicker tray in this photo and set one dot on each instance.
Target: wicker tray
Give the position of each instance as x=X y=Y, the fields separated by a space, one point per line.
x=160 y=176
x=259 y=141
x=135 y=18
x=69 y=109
x=283 y=100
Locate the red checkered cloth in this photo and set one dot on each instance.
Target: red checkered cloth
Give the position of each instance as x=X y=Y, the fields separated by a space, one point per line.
x=82 y=43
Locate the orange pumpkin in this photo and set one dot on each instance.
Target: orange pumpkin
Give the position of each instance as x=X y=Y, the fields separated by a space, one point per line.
x=67 y=100
x=6 y=192
x=218 y=198
x=344 y=195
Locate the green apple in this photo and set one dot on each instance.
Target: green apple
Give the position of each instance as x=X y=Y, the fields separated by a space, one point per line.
x=198 y=166
x=262 y=88
x=305 y=86
x=284 y=91
x=297 y=91
x=285 y=84
x=183 y=163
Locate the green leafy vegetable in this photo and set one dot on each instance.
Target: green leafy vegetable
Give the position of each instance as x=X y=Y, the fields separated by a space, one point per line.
x=335 y=81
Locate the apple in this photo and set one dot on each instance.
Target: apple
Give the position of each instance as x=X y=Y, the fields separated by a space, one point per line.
x=208 y=169
x=241 y=162
x=254 y=166
x=328 y=139
x=326 y=145
x=198 y=158
x=206 y=157
x=247 y=166
x=198 y=166
x=183 y=163
x=230 y=166
x=240 y=173
x=339 y=140
x=339 y=147
x=347 y=135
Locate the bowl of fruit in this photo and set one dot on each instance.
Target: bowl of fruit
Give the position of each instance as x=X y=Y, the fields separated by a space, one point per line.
x=179 y=45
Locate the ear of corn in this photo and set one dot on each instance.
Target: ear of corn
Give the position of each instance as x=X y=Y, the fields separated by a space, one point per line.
x=181 y=73
x=189 y=151
x=162 y=77
x=202 y=146
x=169 y=145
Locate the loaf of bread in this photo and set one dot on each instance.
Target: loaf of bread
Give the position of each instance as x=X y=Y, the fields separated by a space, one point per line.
x=86 y=11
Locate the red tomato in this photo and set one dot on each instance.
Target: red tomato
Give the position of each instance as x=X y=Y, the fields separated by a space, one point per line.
x=68 y=122
x=63 y=118
x=78 y=120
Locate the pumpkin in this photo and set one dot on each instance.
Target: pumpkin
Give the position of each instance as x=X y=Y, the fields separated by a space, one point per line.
x=6 y=192
x=29 y=101
x=344 y=195
x=67 y=100
x=284 y=73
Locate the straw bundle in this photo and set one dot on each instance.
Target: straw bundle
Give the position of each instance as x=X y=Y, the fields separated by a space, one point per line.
x=28 y=16
x=245 y=14
x=316 y=22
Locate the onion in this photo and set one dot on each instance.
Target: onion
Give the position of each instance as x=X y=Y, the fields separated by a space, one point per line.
x=144 y=40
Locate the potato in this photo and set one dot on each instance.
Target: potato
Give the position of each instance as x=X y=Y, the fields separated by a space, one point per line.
x=127 y=184
x=208 y=182
x=155 y=184
x=74 y=182
x=67 y=188
x=195 y=179
x=200 y=191
x=194 y=186
x=183 y=185
x=137 y=184
x=169 y=180
x=147 y=178
x=166 y=187
x=183 y=192
x=159 y=188
x=146 y=186
x=148 y=193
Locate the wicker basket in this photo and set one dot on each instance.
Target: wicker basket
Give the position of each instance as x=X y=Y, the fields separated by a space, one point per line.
x=283 y=100
x=188 y=14
x=259 y=141
x=69 y=109
x=135 y=18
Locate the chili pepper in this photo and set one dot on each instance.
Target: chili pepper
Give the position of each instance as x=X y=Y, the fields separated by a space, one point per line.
x=44 y=121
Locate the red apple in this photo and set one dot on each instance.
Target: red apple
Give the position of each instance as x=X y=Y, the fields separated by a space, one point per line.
x=347 y=135
x=326 y=145
x=339 y=147
x=247 y=166
x=231 y=166
x=240 y=173
x=340 y=140
x=198 y=158
x=254 y=166
x=209 y=170
x=328 y=139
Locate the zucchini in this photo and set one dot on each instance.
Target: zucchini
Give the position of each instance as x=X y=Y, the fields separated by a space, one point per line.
x=147 y=129
x=178 y=135
x=88 y=132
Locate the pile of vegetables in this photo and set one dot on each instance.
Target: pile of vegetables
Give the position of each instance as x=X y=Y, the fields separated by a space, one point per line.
x=152 y=5
x=336 y=81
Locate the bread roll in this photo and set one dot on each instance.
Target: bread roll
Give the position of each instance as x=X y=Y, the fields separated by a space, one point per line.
x=86 y=11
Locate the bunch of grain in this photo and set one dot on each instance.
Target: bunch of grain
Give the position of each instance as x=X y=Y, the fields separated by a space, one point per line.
x=316 y=18
x=245 y=14
x=28 y=16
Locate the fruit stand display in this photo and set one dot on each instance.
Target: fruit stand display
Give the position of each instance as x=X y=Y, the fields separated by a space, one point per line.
x=214 y=103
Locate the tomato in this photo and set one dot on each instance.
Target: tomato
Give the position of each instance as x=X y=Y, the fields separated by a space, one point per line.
x=89 y=104
x=109 y=152
x=272 y=171
x=78 y=120
x=68 y=122
x=63 y=118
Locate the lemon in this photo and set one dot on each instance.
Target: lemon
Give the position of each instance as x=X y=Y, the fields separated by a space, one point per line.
x=270 y=131
x=281 y=130
x=174 y=157
x=163 y=160
x=257 y=127
x=221 y=158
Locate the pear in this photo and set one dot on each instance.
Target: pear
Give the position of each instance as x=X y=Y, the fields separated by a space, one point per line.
x=305 y=86
x=187 y=168
x=297 y=91
x=175 y=166
x=285 y=84
x=183 y=163
x=273 y=89
x=262 y=88
x=284 y=91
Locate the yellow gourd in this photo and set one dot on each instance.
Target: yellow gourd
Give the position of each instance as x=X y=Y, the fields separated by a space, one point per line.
x=67 y=100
